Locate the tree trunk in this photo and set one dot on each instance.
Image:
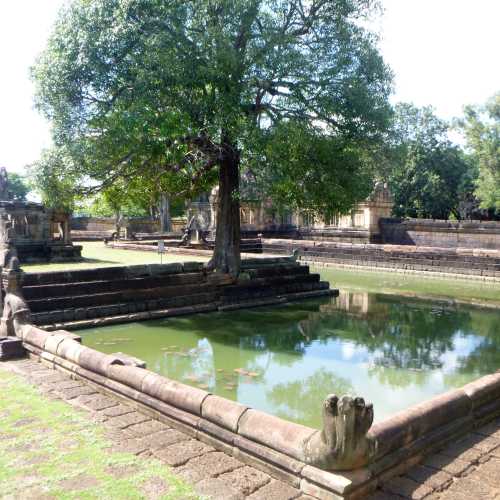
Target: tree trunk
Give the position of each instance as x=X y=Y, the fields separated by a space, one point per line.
x=165 y=220
x=226 y=257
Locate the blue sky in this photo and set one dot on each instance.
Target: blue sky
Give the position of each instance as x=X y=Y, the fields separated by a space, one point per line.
x=444 y=53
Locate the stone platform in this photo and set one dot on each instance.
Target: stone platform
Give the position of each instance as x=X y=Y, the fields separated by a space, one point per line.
x=472 y=263
x=83 y=298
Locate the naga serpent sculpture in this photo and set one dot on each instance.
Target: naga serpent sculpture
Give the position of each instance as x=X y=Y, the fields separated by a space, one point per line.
x=343 y=443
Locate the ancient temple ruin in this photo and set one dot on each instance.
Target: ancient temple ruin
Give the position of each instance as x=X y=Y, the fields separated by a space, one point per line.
x=261 y=216
x=33 y=232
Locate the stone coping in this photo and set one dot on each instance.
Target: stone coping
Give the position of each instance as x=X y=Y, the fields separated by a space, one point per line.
x=390 y=248
x=265 y=441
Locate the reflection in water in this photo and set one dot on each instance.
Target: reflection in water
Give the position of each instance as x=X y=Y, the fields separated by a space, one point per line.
x=392 y=350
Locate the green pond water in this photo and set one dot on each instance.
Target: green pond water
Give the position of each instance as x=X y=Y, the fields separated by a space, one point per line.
x=395 y=351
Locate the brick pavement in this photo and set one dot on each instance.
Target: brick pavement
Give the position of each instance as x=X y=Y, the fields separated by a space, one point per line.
x=466 y=470
x=212 y=473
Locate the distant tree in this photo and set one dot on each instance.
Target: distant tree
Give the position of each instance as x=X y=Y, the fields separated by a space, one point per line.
x=429 y=176
x=481 y=127
x=291 y=90
x=18 y=186
x=51 y=178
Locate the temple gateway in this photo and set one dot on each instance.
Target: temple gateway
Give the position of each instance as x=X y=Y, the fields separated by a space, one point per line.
x=33 y=232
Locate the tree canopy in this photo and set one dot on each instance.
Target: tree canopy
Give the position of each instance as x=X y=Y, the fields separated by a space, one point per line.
x=18 y=187
x=481 y=127
x=429 y=176
x=184 y=90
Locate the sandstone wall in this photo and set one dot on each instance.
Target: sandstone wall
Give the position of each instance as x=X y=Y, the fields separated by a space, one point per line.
x=441 y=233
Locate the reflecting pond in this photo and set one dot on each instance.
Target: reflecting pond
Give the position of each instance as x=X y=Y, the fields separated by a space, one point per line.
x=394 y=351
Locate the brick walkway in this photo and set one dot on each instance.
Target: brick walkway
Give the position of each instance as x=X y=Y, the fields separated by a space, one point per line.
x=213 y=473
x=466 y=470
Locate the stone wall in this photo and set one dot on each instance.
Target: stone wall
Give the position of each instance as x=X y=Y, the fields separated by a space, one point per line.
x=82 y=298
x=441 y=233
x=473 y=263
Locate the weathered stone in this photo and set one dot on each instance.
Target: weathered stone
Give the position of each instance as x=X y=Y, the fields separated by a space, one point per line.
x=147 y=427
x=117 y=410
x=434 y=479
x=343 y=443
x=275 y=490
x=245 y=479
x=163 y=439
x=408 y=425
x=179 y=453
x=407 y=488
x=216 y=488
x=124 y=421
x=453 y=466
x=129 y=375
x=222 y=411
x=174 y=393
x=274 y=432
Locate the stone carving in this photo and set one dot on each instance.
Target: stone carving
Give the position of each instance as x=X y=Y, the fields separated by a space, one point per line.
x=4 y=185
x=15 y=312
x=343 y=443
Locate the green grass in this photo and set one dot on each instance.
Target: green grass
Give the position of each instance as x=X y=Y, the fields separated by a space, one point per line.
x=49 y=448
x=97 y=254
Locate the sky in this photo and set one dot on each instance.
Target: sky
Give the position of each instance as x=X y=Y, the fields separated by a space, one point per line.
x=443 y=53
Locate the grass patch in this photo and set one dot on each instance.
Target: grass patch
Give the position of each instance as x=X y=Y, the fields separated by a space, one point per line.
x=97 y=254
x=49 y=448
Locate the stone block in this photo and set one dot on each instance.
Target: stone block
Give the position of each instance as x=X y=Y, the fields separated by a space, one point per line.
x=222 y=411
x=278 y=434
x=57 y=337
x=70 y=349
x=339 y=482
x=128 y=375
x=317 y=492
x=268 y=455
x=36 y=337
x=11 y=348
x=192 y=267
x=97 y=362
x=219 y=433
x=180 y=419
x=216 y=488
x=483 y=390
x=174 y=393
x=413 y=423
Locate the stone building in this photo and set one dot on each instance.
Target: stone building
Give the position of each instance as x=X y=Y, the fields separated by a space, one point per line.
x=32 y=232
x=261 y=217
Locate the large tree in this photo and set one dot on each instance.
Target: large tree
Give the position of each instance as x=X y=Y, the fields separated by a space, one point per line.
x=481 y=126
x=292 y=88
x=430 y=177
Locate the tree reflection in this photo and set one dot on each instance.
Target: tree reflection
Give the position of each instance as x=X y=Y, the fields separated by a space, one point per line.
x=301 y=400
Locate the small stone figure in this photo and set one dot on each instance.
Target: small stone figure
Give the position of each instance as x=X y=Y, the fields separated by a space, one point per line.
x=343 y=444
x=4 y=185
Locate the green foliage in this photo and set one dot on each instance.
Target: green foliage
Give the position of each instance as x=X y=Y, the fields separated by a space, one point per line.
x=429 y=176
x=167 y=89
x=481 y=126
x=52 y=178
x=18 y=186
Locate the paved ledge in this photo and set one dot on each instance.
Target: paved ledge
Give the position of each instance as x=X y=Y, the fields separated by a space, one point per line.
x=468 y=469
x=213 y=474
